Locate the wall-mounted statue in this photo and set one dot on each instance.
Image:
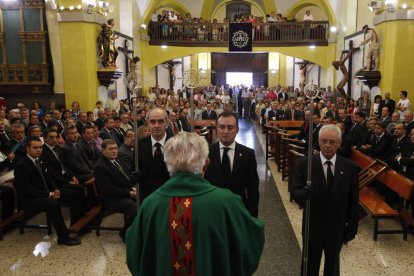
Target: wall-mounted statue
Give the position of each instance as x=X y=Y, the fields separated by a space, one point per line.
x=372 y=58
x=106 y=44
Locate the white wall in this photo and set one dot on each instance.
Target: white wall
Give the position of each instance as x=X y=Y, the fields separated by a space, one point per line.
x=290 y=63
x=163 y=76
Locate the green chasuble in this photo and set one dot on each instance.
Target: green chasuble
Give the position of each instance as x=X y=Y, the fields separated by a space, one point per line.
x=190 y=227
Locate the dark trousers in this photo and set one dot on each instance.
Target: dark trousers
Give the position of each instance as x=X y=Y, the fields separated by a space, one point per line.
x=127 y=206
x=74 y=197
x=53 y=209
x=7 y=198
x=331 y=252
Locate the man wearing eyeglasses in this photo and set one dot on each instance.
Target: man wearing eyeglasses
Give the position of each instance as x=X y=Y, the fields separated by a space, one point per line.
x=232 y=165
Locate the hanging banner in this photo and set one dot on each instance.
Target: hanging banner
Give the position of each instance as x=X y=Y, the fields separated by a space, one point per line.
x=240 y=37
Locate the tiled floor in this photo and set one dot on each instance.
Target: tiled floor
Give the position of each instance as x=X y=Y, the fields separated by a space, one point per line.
x=105 y=255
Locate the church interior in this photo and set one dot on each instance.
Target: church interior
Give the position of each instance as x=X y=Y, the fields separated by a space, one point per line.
x=54 y=51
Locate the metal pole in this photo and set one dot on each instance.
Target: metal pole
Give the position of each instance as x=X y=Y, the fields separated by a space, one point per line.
x=311 y=92
x=134 y=110
x=308 y=182
x=192 y=108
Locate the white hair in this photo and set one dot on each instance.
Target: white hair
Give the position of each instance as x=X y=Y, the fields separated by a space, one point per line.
x=334 y=128
x=186 y=152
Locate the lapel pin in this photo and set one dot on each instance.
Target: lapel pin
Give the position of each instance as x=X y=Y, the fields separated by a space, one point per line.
x=240 y=154
x=342 y=172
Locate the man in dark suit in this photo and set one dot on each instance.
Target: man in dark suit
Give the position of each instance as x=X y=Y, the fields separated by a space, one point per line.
x=107 y=131
x=385 y=116
x=345 y=119
x=408 y=121
x=282 y=96
x=72 y=157
x=293 y=114
x=66 y=182
x=208 y=114
x=87 y=147
x=100 y=120
x=82 y=122
x=126 y=154
x=332 y=112
x=153 y=170
x=38 y=192
x=119 y=132
x=387 y=102
x=333 y=197
x=232 y=165
x=358 y=130
x=398 y=144
x=381 y=142
x=182 y=122
x=115 y=186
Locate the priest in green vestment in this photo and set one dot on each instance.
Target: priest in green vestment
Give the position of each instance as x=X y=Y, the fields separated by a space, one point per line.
x=190 y=227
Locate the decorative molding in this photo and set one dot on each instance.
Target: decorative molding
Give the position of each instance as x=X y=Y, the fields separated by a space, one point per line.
x=386 y=16
x=81 y=17
x=32 y=36
x=21 y=4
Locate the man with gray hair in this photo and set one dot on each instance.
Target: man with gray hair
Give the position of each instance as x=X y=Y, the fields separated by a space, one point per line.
x=199 y=228
x=333 y=196
x=153 y=172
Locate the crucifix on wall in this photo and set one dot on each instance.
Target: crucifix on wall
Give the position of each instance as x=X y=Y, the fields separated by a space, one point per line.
x=304 y=67
x=171 y=66
x=346 y=74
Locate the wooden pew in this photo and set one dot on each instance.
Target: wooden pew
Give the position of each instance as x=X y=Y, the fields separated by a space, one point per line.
x=209 y=124
x=293 y=157
x=289 y=143
x=270 y=149
x=6 y=179
x=291 y=127
x=375 y=204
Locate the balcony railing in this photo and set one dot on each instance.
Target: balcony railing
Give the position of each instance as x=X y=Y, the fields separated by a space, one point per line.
x=216 y=34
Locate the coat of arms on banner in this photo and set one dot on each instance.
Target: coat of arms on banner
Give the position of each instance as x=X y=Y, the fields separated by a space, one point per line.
x=240 y=39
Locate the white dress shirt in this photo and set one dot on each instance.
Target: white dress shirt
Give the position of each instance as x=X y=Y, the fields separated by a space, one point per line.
x=230 y=153
x=325 y=166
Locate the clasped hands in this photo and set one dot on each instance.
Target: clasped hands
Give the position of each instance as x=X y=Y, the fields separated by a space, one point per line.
x=55 y=194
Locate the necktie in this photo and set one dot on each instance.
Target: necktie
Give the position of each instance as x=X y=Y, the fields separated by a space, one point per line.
x=293 y=115
x=92 y=145
x=306 y=127
x=56 y=152
x=39 y=169
x=175 y=128
x=121 y=170
x=329 y=174
x=158 y=156
x=225 y=162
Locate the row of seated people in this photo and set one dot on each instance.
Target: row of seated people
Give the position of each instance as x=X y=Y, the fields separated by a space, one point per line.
x=73 y=158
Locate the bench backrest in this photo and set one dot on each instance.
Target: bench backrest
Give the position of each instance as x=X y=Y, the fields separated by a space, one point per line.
x=392 y=179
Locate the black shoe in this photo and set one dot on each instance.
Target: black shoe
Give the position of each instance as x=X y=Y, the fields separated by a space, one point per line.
x=69 y=241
